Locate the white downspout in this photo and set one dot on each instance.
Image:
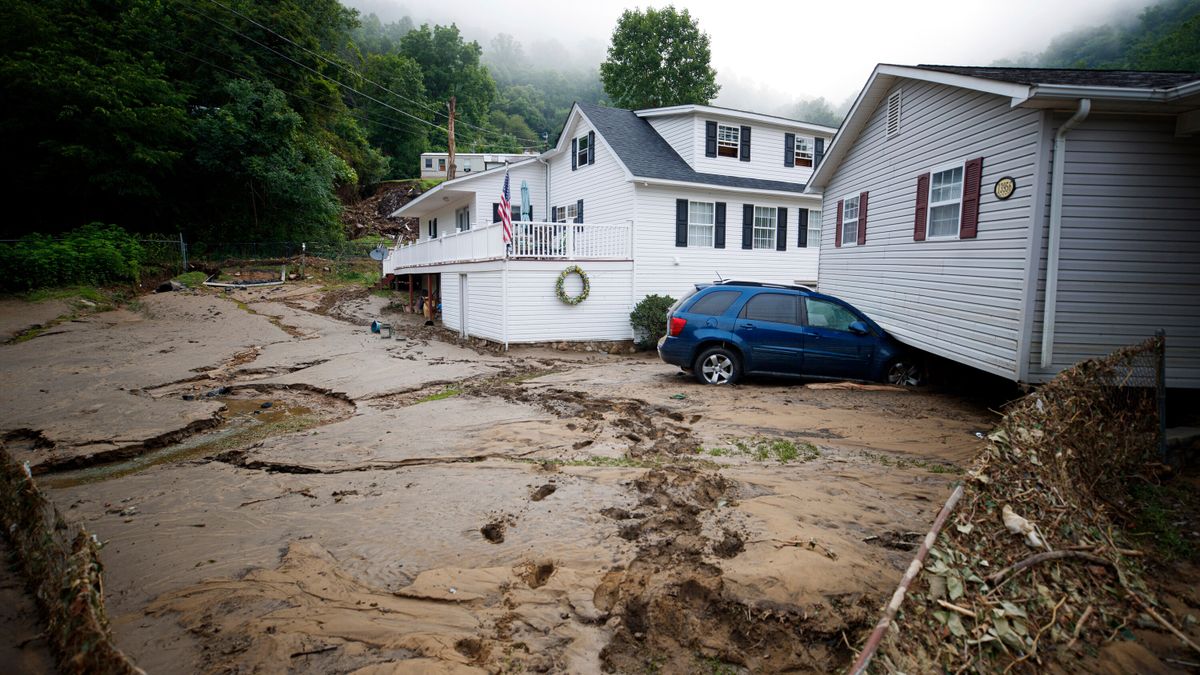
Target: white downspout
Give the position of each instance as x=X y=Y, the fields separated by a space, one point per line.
x=545 y=204
x=1056 y=203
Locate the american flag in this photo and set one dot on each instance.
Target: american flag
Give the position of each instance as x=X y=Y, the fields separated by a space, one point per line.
x=506 y=212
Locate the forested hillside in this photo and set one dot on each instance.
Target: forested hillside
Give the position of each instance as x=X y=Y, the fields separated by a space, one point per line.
x=241 y=120
x=1165 y=36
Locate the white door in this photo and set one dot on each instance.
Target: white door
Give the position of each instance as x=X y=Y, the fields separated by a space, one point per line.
x=463 y=301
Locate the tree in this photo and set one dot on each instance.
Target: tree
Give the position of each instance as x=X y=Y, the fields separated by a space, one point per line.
x=657 y=58
x=450 y=67
x=818 y=111
x=399 y=136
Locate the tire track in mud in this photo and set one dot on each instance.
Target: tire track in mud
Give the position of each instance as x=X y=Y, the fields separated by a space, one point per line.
x=670 y=609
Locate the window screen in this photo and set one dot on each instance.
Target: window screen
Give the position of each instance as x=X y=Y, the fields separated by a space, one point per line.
x=774 y=307
x=715 y=303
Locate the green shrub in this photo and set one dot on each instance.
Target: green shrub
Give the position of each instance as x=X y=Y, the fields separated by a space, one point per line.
x=92 y=255
x=649 y=319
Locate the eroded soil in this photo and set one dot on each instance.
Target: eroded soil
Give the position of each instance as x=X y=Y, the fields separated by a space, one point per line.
x=413 y=505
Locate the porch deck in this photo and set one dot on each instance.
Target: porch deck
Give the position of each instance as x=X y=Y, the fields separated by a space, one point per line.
x=531 y=241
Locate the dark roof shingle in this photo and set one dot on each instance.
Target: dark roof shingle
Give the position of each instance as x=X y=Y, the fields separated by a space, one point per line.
x=1130 y=79
x=647 y=155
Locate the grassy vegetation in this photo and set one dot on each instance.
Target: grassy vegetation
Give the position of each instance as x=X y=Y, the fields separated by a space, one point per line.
x=626 y=462
x=192 y=279
x=909 y=462
x=444 y=394
x=81 y=301
x=762 y=449
x=1159 y=512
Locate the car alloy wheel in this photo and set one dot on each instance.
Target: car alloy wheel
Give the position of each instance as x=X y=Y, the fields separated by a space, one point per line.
x=905 y=374
x=717 y=365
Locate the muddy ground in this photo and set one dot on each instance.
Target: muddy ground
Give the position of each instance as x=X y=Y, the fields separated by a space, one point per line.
x=280 y=490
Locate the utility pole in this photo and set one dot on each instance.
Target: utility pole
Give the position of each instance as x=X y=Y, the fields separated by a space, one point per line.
x=450 y=142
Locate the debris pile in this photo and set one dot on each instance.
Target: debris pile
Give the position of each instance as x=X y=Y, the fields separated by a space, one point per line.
x=373 y=216
x=1037 y=565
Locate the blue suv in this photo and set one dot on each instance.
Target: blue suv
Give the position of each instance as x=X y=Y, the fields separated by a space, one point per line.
x=724 y=331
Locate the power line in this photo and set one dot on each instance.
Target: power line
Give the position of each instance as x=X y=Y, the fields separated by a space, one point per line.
x=366 y=79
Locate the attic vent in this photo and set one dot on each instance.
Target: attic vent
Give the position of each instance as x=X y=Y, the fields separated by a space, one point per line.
x=893 y=118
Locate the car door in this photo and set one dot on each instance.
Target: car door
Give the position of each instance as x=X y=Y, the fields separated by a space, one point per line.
x=769 y=326
x=831 y=349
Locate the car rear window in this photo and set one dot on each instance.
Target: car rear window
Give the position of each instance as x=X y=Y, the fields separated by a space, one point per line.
x=715 y=303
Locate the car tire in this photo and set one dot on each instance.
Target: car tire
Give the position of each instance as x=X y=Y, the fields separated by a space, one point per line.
x=905 y=372
x=717 y=365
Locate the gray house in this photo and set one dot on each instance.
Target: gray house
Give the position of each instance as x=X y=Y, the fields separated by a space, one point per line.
x=1020 y=220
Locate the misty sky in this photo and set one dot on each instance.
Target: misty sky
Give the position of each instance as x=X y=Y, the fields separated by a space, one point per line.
x=768 y=54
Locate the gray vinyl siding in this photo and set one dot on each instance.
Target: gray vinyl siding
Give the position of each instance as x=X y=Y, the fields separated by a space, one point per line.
x=1130 y=251
x=961 y=299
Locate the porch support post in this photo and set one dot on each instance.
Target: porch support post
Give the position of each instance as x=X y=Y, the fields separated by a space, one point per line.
x=410 y=294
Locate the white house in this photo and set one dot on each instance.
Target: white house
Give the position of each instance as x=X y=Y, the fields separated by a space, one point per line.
x=434 y=164
x=645 y=202
x=1020 y=220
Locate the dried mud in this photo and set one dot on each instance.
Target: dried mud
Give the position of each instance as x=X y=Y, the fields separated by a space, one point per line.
x=418 y=506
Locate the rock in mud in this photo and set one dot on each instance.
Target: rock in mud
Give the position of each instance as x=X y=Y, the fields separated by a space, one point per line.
x=169 y=286
x=543 y=492
x=494 y=531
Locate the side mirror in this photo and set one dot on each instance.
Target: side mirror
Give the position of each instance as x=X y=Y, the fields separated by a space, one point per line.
x=859 y=328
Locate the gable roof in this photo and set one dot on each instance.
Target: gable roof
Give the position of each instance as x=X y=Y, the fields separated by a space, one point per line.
x=452 y=186
x=1052 y=88
x=647 y=156
x=1135 y=79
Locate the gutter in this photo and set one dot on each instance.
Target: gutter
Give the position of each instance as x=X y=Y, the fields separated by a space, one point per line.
x=1056 y=203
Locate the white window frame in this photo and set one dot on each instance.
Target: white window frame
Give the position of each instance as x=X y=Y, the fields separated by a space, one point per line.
x=756 y=228
x=566 y=214
x=945 y=202
x=804 y=152
x=581 y=150
x=462 y=219
x=429 y=163
x=735 y=143
x=889 y=128
x=710 y=226
x=846 y=221
x=466 y=166
x=814 y=227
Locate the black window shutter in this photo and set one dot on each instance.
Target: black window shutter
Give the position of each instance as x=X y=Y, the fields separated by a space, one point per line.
x=744 y=155
x=719 y=227
x=574 y=153
x=710 y=139
x=435 y=228
x=818 y=152
x=495 y=212
x=747 y=226
x=591 y=147
x=781 y=230
x=681 y=222
x=802 y=227
x=789 y=149
x=579 y=211
x=553 y=214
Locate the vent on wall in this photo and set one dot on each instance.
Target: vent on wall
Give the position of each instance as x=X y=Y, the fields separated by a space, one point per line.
x=893 y=114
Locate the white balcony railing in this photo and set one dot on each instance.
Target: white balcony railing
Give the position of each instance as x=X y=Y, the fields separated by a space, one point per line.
x=564 y=241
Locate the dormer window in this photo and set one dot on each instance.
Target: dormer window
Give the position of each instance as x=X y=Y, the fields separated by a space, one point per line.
x=804 y=152
x=728 y=140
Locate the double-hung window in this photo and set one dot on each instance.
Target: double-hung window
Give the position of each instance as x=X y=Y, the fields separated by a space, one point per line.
x=804 y=152
x=701 y=223
x=565 y=214
x=850 y=221
x=581 y=152
x=814 y=228
x=945 y=202
x=462 y=219
x=764 y=226
x=428 y=162
x=728 y=140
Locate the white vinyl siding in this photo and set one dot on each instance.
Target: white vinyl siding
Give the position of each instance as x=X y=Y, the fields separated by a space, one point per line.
x=766 y=151
x=945 y=202
x=606 y=192
x=814 y=228
x=764 y=226
x=537 y=315
x=1129 y=248
x=850 y=221
x=666 y=269
x=701 y=222
x=679 y=131
x=958 y=298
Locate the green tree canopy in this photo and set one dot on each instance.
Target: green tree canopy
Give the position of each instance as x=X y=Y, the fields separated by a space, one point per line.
x=450 y=67
x=658 y=57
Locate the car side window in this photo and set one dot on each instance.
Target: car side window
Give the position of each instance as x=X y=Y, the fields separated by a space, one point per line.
x=775 y=307
x=715 y=303
x=824 y=314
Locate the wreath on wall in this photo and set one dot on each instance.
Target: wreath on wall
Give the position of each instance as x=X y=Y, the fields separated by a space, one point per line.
x=561 y=292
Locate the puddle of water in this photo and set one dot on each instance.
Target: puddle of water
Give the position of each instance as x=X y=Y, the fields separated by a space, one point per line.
x=244 y=421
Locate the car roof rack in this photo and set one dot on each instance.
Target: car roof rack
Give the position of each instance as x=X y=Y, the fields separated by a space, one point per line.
x=763 y=284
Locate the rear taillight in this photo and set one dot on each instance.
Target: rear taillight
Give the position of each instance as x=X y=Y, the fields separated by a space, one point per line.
x=675 y=326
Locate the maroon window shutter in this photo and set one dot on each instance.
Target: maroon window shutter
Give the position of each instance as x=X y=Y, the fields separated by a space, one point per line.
x=968 y=225
x=922 y=217
x=862 y=218
x=837 y=232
